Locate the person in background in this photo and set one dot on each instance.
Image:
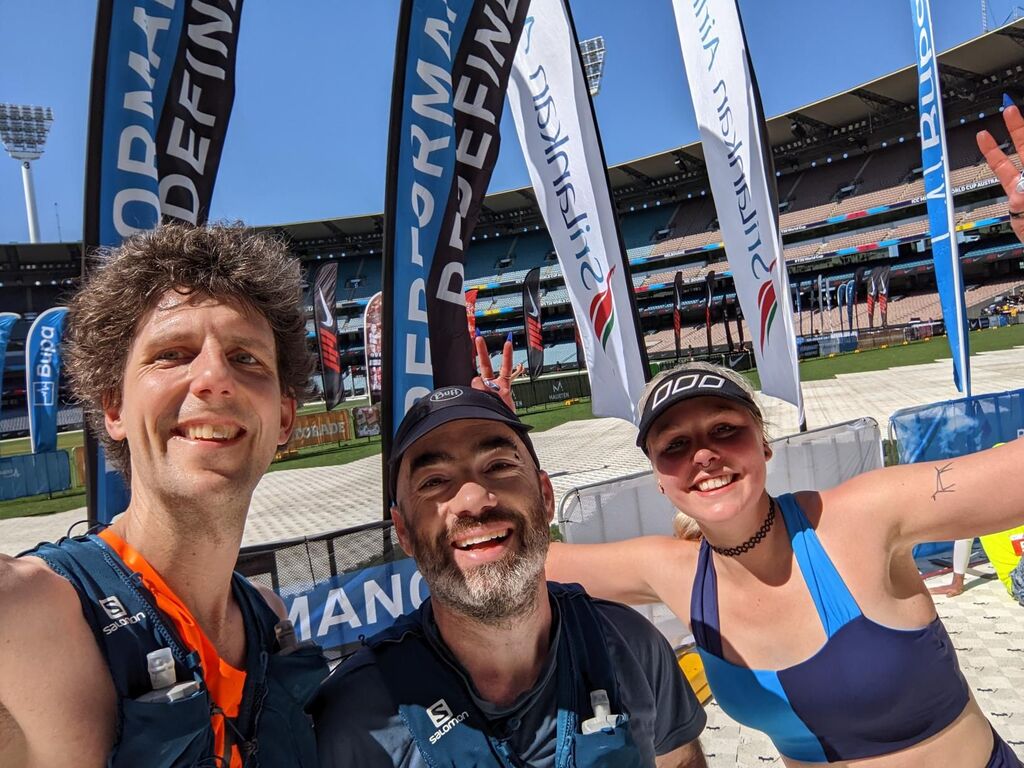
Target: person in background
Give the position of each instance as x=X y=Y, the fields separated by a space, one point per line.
x=961 y=559
x=138 y=645
x=498 y=667
x=1004 y=551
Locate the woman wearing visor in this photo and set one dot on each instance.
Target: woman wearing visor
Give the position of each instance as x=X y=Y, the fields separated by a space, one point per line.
x=808 y=611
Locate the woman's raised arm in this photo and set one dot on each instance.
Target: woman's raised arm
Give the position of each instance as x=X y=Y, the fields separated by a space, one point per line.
x=939 y=500
x=647 y=569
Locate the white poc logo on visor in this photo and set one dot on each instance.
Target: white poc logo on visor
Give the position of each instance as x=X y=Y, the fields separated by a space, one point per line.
x=684 y=383
x=446 y=394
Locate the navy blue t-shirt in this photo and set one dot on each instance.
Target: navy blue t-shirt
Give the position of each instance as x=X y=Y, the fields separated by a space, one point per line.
x=358 y=724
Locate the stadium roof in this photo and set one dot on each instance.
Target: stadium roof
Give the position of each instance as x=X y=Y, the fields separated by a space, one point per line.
x=974 y=74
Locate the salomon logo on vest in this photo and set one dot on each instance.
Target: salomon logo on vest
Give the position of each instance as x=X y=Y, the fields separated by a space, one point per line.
x=441 y=716
x=115 y=610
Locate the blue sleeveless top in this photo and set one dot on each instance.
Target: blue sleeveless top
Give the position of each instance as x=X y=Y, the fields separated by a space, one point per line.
x=869 y=690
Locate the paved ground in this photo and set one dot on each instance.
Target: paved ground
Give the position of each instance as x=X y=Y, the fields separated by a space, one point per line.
x=986 y=626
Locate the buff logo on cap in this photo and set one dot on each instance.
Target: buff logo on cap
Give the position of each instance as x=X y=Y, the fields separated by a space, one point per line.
x=444 y=395
x=684 y=383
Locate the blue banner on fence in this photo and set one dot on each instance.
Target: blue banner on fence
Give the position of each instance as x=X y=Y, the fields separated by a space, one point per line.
x=31 y=474
x=351 y=606
x=939 y=195
x=42 y=377
x=956 y=428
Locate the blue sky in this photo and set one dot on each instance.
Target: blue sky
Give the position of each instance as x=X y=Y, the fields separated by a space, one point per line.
x=308 y=133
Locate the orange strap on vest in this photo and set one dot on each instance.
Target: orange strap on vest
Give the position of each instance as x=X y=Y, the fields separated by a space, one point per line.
x=223 y=681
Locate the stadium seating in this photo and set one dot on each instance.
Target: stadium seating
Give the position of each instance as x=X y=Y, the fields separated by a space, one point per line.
x=981 y=295
x=638 y=228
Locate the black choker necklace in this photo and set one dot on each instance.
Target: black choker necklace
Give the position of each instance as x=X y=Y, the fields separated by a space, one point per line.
x=754 y=540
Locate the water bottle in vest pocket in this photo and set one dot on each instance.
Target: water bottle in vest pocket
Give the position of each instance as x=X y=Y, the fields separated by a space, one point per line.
x=608 y=747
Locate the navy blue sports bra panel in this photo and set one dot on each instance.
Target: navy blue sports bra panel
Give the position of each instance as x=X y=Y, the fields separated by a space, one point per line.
x=870 y=690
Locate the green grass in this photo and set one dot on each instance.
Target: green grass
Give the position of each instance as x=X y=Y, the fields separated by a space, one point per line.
x=916 y=353
x=43 y=505
x=19 y=445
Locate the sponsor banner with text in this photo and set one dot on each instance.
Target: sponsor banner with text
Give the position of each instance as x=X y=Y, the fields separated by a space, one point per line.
x=557 y=128
x=345 y=609
x=42 y=377
x=451 y=70
x=554 y=389
x=320 y=428
x=939 y=197
x=163 y=84
x=734 y=138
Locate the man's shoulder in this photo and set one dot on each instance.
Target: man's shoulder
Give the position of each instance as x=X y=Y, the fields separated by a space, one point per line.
x=626 y=621
x=28 y=587
x=53 y=679
x=34 y=602
x=357 y=721
x=633 y=641
x=355 y=689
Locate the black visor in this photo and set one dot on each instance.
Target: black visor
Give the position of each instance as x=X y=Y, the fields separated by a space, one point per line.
x=683 y=384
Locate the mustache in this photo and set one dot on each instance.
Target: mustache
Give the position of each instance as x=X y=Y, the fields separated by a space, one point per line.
x=462 y=525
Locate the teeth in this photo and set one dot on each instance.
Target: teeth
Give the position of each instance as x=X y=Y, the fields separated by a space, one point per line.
x=466 y=543
x=714 y=483
x=210 y=432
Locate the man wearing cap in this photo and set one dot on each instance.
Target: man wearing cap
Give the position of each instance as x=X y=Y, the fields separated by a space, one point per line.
x=498 y=667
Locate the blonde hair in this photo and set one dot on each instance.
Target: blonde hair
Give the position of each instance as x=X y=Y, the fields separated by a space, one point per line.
x=683 y=526
x=686 y=528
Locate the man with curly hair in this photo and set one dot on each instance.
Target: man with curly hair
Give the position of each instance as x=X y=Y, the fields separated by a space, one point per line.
x=139 y=645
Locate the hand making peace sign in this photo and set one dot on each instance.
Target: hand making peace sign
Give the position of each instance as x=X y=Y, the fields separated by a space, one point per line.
x=500 y=385
x=1004 y=169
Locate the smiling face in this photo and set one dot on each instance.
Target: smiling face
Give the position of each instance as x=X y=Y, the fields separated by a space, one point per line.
x=474 y=511
x=201 y=406
x=710 y=457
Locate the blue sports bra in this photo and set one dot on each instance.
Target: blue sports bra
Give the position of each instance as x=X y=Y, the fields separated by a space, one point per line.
x=869 y=690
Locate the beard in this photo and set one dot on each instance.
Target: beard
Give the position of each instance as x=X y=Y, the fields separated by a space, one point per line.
x=491 y=593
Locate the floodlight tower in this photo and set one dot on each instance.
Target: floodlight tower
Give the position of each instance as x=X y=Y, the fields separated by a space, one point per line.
x=23 y=130
x=984 y=16
x=593 y=62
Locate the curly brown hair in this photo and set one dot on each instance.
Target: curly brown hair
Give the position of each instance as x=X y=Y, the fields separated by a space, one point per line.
x=224 y=262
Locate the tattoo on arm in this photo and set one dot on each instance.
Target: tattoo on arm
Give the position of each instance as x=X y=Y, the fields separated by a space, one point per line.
x=940 y=486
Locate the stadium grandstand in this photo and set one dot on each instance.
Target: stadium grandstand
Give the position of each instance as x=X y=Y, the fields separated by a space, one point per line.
x=850 y=195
